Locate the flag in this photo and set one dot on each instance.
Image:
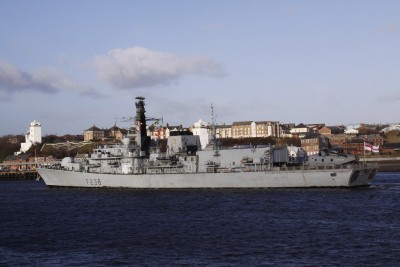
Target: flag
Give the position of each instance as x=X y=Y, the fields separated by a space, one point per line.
x=369 y=147
x=138 y=126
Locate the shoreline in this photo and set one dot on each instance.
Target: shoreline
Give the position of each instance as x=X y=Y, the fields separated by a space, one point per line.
x=14 y=176
x=385 y=164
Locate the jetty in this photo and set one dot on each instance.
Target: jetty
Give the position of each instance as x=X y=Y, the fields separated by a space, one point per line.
x=22 y=171
x=385 y=164
x=18 y=175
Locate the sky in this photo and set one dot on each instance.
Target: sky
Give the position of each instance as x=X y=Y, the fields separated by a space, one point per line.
x=74 y=64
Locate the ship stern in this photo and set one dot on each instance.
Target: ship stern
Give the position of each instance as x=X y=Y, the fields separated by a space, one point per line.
x=362 y=176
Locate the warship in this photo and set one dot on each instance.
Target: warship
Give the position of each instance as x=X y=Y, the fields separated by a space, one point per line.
x=134 y=163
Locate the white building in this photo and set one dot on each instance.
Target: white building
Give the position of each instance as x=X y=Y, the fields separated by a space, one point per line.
x=34 y=135
x=351 y=131
x=392 y=127
x=300 y=130
x=200 y=128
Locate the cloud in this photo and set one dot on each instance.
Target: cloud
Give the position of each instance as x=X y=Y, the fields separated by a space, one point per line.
x=138 y=67
x=50 y=81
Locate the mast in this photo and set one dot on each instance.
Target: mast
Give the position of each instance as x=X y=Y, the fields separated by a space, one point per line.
x=214 y=132
x=142 y=140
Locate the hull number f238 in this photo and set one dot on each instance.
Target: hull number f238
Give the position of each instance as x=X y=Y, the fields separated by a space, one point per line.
x=93 y=182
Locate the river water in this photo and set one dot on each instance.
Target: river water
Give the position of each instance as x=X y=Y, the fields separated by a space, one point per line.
x=258 y=227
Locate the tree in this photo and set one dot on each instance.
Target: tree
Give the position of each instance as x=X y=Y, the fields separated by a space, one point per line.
x=8 y=147
x=392 y=137
x=367 y=131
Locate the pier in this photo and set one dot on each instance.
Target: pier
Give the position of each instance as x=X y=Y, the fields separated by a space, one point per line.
x=385 y=164
x=18 y=175
x=22 y=170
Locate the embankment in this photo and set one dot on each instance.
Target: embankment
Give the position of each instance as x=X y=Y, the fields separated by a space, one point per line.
x=386 y=164
x=21 y=175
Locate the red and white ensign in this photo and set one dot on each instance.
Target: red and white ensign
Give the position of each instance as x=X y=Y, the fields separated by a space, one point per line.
x=369 y=147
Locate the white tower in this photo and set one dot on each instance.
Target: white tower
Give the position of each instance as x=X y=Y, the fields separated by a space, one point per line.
x=200 y=128
x=34 y=135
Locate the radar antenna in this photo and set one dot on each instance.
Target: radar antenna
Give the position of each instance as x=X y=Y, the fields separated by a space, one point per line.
x=214 y=132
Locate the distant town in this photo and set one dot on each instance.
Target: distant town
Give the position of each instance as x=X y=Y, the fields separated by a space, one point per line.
x=362 y=139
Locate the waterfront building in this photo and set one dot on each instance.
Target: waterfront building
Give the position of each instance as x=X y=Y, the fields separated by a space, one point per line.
x=157 y=132
x=374 y=139
x=355 y=146
x=93 y=133
x=331 y=130
x=170 y=129
x=339 y=140
x=391 y=149
x=33 y=136
x=243 y=129
x=266 y=129
x=223 y=131
x=300 y=130
x=285 y=130
x=314 y=128
x=116 y=133
x=16 y=161
x=351 y=131
x=314 y=143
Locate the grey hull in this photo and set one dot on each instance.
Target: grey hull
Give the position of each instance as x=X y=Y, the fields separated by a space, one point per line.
x=343 y=177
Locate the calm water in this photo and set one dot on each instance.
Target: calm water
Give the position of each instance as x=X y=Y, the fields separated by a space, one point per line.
x=285 y=227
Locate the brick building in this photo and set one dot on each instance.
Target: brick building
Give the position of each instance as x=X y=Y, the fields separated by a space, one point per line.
x=314 y=143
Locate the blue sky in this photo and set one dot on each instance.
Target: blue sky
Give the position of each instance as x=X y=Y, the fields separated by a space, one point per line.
x=72 y=64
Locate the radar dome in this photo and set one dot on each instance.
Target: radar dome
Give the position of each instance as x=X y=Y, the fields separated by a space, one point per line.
x=126 y=141
x=67 y=160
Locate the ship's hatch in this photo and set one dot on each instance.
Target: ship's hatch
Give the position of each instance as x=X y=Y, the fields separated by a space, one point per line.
x=354 y=176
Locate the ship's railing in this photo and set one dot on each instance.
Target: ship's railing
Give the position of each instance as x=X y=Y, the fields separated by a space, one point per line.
x=266 y=168
x=164 y=169
x=247 y=168
x=357 y=166
x=54 y=165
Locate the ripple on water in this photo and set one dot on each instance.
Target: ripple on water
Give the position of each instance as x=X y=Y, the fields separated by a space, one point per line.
x=285 y=227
